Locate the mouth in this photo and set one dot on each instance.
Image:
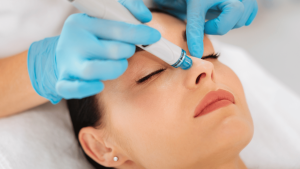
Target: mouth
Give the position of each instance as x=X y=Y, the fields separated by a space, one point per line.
x=213 y=101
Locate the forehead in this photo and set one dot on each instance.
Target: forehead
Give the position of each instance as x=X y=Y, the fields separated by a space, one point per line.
x=170 y=28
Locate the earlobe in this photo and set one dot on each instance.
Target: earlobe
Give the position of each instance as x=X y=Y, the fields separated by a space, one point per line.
x=96 y=147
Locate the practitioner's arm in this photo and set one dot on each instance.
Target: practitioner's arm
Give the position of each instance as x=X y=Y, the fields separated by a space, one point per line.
x=73 y=64
x=16 y=91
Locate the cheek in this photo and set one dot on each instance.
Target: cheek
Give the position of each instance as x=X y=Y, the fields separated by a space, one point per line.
x=154 y=110
x=154 y=117
x=242 y=121
x=224 y=76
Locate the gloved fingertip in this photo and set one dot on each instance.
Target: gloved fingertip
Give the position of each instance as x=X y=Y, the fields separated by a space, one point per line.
x=156 y=35
x=213 y=27
x=195 y=42
x=59 y=87
x=146 y=16
x=92 y=88
x=55 y=101
x=78 y=89
x=252 y=16
x=196 y=50
x=151 y=36
x=141 y=12
x=123 y=66
x=249 y=22
x=138 y=9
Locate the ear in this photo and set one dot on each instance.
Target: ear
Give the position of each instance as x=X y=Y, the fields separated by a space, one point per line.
x=96 y=145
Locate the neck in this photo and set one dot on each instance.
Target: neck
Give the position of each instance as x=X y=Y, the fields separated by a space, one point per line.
x=236 y=163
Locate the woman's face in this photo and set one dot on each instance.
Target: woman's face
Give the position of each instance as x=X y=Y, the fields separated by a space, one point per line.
x=152 y=123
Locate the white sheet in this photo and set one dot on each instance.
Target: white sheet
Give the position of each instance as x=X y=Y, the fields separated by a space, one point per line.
x=275 y=111
x=41 y=138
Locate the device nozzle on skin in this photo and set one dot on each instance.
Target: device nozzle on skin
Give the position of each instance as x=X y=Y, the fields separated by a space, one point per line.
x=113 y=10
x=184 y=62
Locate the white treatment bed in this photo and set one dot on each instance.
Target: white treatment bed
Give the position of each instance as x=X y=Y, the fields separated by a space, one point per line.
x=43 y=138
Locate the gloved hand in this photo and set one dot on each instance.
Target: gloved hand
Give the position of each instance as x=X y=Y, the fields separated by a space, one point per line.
x=88 y=51
x=223 y=15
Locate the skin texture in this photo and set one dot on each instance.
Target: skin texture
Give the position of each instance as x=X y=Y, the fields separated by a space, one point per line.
x=152 y=125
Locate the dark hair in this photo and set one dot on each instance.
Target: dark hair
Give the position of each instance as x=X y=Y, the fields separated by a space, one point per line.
x=86 y=112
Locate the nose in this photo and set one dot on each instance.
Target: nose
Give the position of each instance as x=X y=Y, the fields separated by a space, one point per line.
x=201 y=72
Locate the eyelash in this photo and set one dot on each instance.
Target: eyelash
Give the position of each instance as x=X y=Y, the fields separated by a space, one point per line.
x=213 y=56
x=148 y=77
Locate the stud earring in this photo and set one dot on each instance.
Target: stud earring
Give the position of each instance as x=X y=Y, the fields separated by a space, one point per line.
x=116 y=158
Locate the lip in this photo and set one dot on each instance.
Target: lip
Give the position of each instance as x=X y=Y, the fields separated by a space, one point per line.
x=213 y=101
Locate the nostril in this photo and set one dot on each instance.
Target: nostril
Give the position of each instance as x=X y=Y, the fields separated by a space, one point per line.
x=201 y=75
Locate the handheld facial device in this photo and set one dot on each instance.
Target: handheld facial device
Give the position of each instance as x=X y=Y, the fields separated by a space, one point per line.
x=113 y=10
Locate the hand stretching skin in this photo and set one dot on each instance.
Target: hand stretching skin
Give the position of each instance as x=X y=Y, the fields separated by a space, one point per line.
x=222 y=15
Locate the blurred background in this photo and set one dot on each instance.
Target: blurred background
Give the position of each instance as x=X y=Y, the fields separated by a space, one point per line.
x=273 y=39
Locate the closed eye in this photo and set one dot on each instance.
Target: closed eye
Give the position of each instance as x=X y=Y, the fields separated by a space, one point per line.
x=149 y=76
x=212 y=56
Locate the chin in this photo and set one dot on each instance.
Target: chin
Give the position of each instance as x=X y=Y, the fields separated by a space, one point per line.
x=235 y=131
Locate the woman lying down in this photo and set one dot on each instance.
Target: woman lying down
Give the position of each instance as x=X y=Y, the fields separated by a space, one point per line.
x=155 y=116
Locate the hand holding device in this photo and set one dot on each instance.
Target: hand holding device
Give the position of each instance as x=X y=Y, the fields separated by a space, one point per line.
x=223 y=15
x=88 y=51
x=114 y=10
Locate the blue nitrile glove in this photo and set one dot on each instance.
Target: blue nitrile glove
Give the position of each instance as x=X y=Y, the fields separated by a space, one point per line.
x=223 y=15
x=88 y=51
